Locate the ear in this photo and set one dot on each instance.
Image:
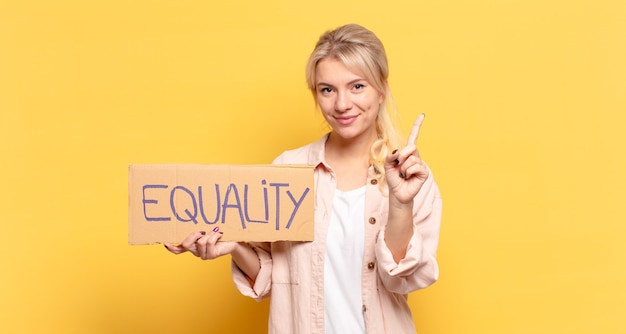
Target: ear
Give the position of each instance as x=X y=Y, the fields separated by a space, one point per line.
x=381 y=97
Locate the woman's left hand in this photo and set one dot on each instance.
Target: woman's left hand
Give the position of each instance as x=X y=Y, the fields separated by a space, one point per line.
x=405 y=170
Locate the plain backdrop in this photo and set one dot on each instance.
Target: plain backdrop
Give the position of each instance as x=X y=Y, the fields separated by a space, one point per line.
x=525 y=105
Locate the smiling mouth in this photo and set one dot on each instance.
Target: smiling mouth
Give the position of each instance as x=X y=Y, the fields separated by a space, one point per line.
x=346 y=120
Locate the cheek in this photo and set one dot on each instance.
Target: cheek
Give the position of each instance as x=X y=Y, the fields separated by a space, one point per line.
x=325 y=106
x=370 y=104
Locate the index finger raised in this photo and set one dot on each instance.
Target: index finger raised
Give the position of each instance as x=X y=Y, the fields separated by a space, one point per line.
x=415 y=130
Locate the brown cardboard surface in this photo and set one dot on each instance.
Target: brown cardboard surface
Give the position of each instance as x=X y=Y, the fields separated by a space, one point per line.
x=247 y=202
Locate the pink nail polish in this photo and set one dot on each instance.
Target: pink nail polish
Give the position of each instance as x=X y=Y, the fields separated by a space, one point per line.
x=202 y=232
x=216 y=229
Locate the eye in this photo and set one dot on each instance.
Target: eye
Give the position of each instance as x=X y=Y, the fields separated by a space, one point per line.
x=326 y=90
x=359 y=86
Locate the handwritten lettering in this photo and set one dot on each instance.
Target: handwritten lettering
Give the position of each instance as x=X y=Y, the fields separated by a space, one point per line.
x=195 y=205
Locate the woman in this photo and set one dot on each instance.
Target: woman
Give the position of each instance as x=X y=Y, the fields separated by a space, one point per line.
x=377 y=209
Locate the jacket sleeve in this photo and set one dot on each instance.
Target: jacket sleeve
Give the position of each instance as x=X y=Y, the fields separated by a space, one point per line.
x=418 y=269
x=262 y=284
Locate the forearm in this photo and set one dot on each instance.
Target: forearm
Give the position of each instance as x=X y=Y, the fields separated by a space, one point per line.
x=399 y=228
x=247 y=260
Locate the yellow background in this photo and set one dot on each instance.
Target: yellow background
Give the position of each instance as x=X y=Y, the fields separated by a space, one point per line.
x=525 y=104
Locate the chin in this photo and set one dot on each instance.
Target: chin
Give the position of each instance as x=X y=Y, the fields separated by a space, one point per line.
x=347 y=134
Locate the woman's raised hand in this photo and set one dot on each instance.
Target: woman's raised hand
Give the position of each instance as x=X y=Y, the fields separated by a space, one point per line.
x=405 y=170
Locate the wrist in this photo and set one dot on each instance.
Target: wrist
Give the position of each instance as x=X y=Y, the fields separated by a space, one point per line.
x=397 y=204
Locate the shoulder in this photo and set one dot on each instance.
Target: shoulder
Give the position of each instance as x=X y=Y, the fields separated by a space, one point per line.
x=310 y=154
x=298 y=155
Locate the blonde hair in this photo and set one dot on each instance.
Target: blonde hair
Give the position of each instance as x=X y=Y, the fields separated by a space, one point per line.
x=361 y=51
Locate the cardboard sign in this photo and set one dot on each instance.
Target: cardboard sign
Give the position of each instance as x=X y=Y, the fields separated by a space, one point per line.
x=248 y=203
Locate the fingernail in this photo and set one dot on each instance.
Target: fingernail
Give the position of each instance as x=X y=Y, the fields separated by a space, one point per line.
x=202 y=232
x=396 y=161
x=164 y=245
x=216 y=229
x=394 y=151
x=402 y=175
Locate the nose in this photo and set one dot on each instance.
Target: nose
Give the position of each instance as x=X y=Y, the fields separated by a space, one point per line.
x=343 y=102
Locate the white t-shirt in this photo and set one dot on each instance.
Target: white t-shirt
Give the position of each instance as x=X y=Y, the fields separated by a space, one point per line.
x=343 y=264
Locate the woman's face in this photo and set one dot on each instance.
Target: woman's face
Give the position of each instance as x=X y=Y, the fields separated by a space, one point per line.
x=349 y=103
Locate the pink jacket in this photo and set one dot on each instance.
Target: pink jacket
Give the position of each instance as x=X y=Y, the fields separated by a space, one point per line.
x=293 y=272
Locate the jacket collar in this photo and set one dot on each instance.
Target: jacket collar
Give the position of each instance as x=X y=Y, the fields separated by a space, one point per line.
x=317 y=153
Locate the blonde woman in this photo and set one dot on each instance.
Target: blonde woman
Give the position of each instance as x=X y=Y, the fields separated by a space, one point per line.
x=377 y=208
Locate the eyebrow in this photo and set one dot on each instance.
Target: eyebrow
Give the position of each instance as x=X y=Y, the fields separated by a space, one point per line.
x=321 y=83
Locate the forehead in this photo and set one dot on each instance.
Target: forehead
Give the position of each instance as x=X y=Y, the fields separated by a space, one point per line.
x=334 y=71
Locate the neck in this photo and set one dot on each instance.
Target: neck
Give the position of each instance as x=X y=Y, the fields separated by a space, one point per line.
x=350 y=149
